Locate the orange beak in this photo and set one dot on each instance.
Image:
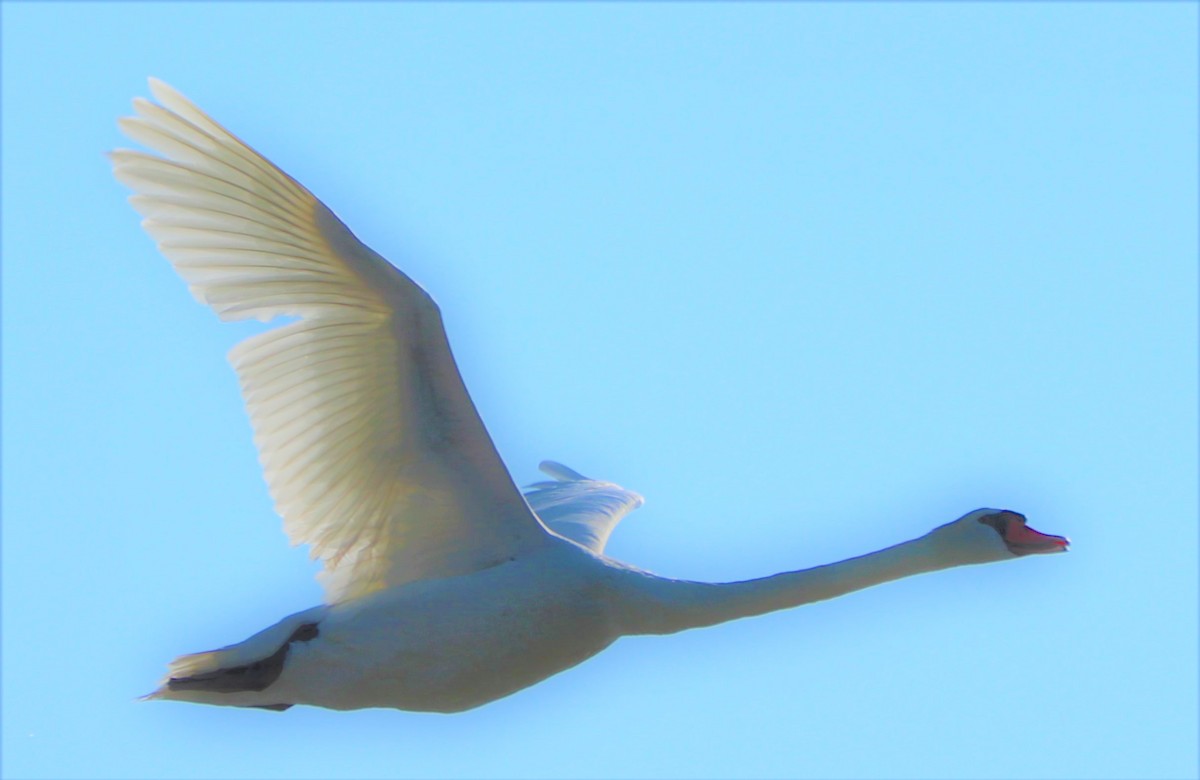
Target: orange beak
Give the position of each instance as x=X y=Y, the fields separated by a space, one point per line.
x=1023 y=540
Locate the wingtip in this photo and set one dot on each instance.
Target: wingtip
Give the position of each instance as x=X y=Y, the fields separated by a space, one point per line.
x=164 y=93
x=560 y=472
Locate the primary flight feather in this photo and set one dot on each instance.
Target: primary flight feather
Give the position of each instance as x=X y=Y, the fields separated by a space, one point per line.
x=445 y=588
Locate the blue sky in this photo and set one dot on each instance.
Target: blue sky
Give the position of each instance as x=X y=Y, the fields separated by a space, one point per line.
x=812 y=278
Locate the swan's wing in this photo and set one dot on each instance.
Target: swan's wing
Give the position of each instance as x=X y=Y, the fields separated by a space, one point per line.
x=581 y=509
x=371 y=447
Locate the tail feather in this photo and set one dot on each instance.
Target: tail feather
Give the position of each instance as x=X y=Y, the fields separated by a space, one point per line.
x=196 y=663
x=158 y=693
x=251 y=665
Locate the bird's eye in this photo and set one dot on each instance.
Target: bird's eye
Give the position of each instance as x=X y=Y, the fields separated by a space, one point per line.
x=997 y=521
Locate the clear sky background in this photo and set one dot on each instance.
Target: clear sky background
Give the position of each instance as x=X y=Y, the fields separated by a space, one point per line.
x=812 y=278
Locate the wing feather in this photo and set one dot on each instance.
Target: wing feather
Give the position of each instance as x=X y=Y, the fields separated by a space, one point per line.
x=582 y=509
x=370 y=445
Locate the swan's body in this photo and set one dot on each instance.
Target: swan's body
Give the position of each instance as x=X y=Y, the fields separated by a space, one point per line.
x=445 y=587
x=447 y=644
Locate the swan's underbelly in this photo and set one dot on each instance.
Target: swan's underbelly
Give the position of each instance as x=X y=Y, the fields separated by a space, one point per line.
x=450 y=645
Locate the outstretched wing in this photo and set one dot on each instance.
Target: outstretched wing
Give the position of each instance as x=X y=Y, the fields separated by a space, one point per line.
x=581 y=509
x=372 y=449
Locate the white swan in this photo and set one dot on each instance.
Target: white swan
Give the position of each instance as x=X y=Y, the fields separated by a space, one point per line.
x=444 y=587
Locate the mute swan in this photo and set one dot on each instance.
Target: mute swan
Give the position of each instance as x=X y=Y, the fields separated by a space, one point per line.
x=445 y=588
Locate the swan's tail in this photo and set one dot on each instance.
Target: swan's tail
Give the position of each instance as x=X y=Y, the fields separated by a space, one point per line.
x=223 y=676
x=192 y=665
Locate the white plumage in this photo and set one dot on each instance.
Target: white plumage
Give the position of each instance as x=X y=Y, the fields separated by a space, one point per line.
x=354 y=405
x=582 y=509
x=444 y=587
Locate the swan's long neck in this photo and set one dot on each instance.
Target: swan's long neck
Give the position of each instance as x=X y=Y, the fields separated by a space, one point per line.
x=664 y=606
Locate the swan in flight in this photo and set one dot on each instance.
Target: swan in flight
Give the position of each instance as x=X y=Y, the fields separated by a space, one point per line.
x=445 y=588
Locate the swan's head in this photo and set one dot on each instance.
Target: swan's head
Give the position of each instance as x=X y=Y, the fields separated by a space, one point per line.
x=991 y=535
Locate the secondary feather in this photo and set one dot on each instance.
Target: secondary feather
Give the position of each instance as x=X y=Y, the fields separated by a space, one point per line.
x=372 y=449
